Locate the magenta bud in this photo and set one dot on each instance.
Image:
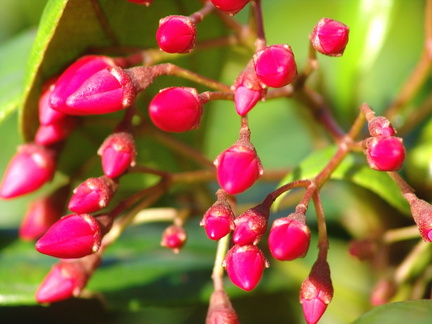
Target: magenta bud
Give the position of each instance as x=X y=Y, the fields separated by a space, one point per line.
x=73 y=236
x=30 y=168
x=381 y=126
x=421 y=212
x=289 y=237
x=40 y=215
x=248 y=90
x=363 y=249
x=176 y=109
x=383 y=291
x=47 y=115
x=238 y=168
x=275 y=65
x=245 y=265
x=67 y=279
x=142 y=2
x=218 y=220
x=118 y=153
x=92 y=195
x=176 y=34
x=385 y=153
x=174 y=237
x=230 y=7
x=92 y=85
x=316 y=292
x=55 y=132
x=220 y=309
x=245 y=99
x=330 y=37
x=251 y=226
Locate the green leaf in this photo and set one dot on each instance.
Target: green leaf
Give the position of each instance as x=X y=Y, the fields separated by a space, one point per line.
x=353 y=169
x=13 y=55
x=412 y=311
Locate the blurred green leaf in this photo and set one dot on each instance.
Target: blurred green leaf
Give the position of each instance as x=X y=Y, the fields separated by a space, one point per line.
x=354 y=169
x=412 y=311
x=13 y=55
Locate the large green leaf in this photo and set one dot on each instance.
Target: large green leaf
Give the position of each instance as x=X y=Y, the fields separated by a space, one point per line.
x=13 y=55
x=354 y=169
x=411 y=311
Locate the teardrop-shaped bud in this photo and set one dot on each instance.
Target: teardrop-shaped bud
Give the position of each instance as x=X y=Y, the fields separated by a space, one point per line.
x=289 y=237
x=30 y=168
x=245 y=265
x=118 y=153
x=92 y=195
x=238 y=167
x=316 y=292
x=67 y=279
x=93 y=85
x=251 y=225
x=56 y=131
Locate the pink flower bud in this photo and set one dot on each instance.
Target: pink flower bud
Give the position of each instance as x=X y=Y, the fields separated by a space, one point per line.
x=73 y=236
x=385 y=153
x=230 y=7
x=316 y=292
x=383 y=291
x=92 y=195
x=142 y=2
x=41 y=214
x=330 y=37
x=245 y=99
x=174 y=237
x=55 y=132
x=238 y=168
x=31 y=167
x=92 y=85
x=220 y=309
x=245 y=265
x=176 y=34
x=218 y=220
x=275 y=65
x=289 y=237
x=176 y=109
x=118 y=153
x=248 y=90
x=47 y=115
x=421 y=212
x=251 y=225
x=66 y=279
x=381 y=126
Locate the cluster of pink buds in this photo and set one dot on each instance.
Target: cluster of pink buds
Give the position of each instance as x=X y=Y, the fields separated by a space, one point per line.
x=384 y=151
